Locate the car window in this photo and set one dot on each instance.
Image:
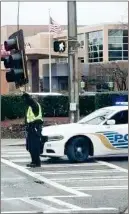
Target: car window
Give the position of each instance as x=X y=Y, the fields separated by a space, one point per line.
x=121 y=117
x=96 y=117
x=96 y=120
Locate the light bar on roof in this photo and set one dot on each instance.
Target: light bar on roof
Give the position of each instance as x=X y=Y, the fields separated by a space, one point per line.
x=122 y=103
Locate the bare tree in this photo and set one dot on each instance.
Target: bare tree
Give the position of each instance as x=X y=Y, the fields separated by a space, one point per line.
x=117 y=71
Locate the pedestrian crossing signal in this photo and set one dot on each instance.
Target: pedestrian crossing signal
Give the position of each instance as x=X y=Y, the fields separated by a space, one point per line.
x=59 y=46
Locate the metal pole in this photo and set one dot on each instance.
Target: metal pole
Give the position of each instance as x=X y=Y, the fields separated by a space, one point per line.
x=73 y=62
x=50 y=72
x=18 y=27
x=18 y=15
x=77 y=115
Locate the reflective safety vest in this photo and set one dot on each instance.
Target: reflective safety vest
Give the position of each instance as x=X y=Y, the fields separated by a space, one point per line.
x=31 y=117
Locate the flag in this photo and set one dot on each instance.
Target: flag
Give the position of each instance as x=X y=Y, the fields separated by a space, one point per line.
x=54 y=26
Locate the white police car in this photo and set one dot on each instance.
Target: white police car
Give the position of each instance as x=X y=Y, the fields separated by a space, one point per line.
x=103 y=132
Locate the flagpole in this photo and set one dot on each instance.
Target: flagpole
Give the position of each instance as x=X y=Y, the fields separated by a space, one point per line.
x=50 y=73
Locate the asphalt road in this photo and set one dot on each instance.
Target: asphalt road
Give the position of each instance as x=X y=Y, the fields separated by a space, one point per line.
x=99 y=186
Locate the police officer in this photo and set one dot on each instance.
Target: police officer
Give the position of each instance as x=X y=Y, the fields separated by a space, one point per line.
x=34 y=122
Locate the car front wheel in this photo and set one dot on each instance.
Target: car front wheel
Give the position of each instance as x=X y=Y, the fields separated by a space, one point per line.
x=78 y=150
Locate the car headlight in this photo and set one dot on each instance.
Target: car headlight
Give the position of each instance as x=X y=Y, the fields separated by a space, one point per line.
x=55 y=138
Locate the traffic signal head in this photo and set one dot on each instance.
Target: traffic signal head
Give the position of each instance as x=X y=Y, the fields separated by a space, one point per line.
x=10 y=44
x=13 y=61
x=59 y=46
x=16 y=61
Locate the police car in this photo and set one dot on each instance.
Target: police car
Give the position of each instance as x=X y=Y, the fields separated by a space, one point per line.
x=103 y=132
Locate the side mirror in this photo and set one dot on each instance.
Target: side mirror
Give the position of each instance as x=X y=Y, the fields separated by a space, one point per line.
x=111 y=122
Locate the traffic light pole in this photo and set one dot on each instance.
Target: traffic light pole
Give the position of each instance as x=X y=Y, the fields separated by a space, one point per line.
x=18 y=9
x=73 y=62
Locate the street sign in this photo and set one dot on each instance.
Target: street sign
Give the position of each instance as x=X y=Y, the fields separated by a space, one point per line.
x=73 y=106
x=110 y=84
x=82 y=84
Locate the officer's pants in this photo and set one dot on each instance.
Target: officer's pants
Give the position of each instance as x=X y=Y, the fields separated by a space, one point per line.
x=35 y=159
x=34 y=146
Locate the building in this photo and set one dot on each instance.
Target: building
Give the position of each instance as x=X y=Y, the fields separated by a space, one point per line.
x=97 y=44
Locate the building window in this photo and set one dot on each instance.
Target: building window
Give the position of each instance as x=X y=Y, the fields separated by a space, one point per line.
x=114 y=47
x=61 y=60
x=95 y=46
x=118 y=45
x=63 y=83
x=125 y=46
x=115 y=54
x=80 y=39
x=82 y=60
x=115 y=40
x=115 y=33
x=125 y=53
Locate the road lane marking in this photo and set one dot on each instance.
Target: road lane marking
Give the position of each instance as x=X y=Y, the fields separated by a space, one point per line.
x=113 y=166
x=68 y=196
x=62 y=203
x=68 y=165
x=11 y=179
x=77 y=172
x=64 y=210
x=38 y=204
x=59 y=202
x=87 y=209
x=43 y=197
x=15 y=155
x=43 y=206
x=12 y=149
x=23 y=160
x=102 y=187
x=90 y=178
x=14 y=152
x=42 y=178
x=19 y=212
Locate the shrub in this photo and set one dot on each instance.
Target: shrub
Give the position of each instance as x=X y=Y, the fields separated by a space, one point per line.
x=13 y=107
x=54 y=106
x=109 y=99
x=86 y=105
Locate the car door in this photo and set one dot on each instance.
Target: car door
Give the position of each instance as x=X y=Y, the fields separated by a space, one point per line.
x=118 y=134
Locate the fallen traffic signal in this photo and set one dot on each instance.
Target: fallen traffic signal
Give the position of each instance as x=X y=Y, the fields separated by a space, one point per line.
x=59 y=46
x=16 y=61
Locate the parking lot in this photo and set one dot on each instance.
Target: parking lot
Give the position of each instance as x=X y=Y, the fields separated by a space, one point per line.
x=98 y=186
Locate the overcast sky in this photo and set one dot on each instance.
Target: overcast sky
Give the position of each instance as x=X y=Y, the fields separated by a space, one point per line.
x=88 y=13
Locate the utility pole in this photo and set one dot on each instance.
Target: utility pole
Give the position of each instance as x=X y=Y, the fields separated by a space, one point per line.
x=73 y=62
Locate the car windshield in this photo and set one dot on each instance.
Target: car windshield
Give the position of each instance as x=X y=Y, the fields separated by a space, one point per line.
x=97 y=117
